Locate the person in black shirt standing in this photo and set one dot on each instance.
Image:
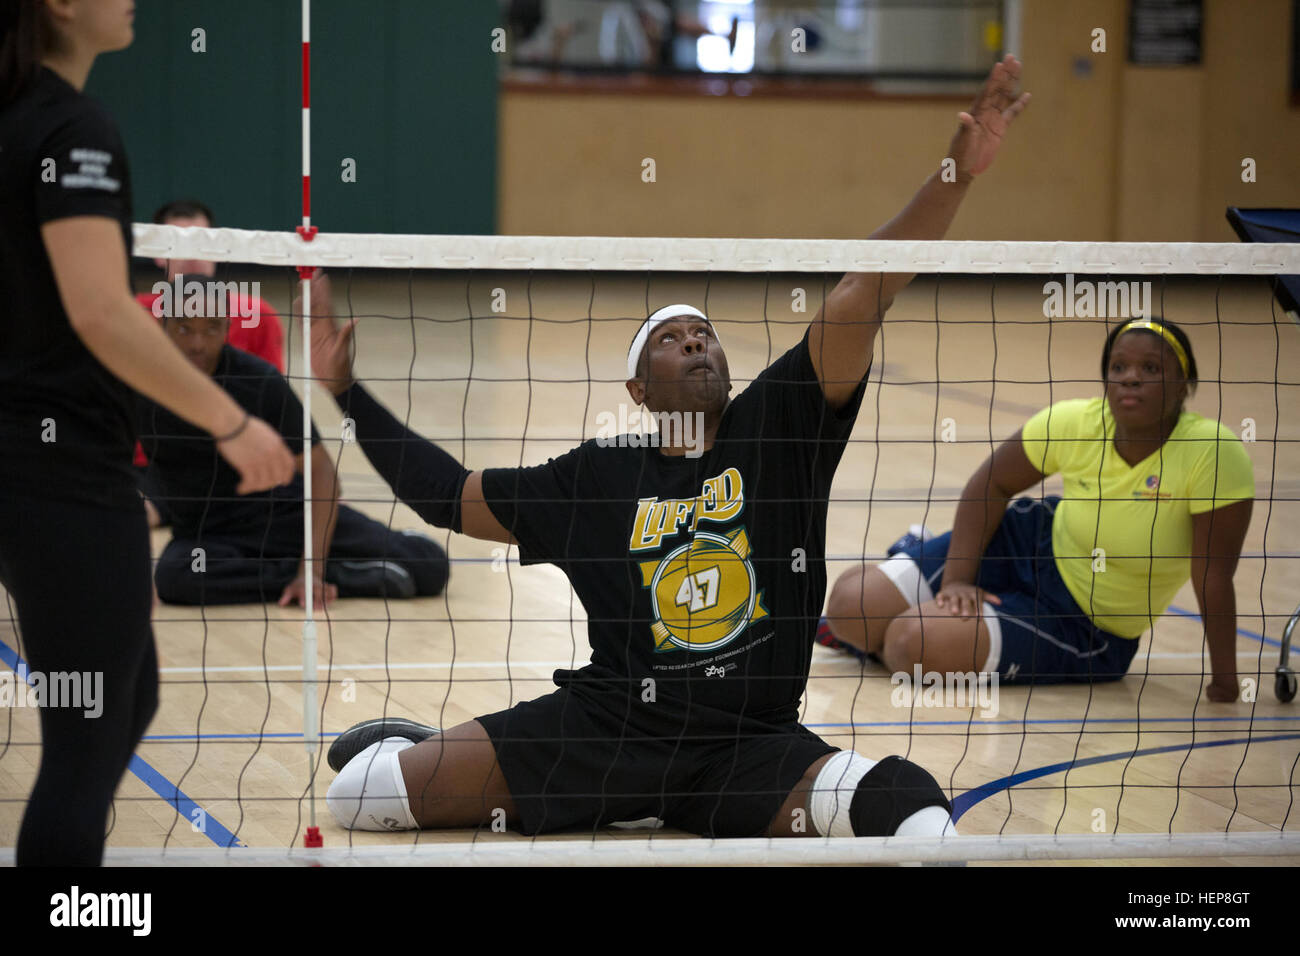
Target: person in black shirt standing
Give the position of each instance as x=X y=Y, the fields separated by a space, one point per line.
x=702 y=575
x=73 y=345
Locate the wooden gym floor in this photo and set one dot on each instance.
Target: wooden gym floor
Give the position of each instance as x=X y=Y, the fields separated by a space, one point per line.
x=226 y=732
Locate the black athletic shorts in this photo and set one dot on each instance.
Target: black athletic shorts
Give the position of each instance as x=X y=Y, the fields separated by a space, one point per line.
x=579 y=759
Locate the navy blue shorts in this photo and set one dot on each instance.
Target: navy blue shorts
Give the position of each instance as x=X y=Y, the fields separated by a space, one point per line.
x=1046 y=636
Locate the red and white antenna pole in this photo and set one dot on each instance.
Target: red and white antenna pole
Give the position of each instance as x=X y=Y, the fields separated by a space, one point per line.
x=306 y=230
x=310 y=704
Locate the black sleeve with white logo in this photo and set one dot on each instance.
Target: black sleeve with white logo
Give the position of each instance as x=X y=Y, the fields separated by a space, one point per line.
x=83 y=172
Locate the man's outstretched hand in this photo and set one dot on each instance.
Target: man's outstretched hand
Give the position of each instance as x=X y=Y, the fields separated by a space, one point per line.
x=331 y=346
x=996 y=105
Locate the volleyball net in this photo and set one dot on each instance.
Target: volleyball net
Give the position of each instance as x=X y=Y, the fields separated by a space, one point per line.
x=507 y=351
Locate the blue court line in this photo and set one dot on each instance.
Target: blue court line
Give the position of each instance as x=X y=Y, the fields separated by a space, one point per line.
x=965 y=801
x=184 y=806
x=1241 y=630
x=1051 y=720
x=150 y=777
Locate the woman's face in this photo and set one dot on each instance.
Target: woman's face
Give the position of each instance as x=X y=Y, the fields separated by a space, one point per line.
x=99 y=25
x=1145 y=384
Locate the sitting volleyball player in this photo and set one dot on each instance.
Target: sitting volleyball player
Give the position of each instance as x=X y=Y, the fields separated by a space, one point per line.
x=701 y=630
x=1060 y=590
x=252 y=543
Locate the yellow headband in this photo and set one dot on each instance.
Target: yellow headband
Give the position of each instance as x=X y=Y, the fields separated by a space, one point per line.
x=1164 y=333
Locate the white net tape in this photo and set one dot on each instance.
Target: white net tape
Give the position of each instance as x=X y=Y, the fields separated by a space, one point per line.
x=751 y=852
x=600 y=253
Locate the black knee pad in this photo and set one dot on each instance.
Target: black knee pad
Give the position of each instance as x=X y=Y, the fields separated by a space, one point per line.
x=889 y=793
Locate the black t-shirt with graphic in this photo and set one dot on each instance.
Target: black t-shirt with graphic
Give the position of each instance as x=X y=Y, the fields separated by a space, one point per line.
x=197 y=483
x=704 y=575
x=65 y=420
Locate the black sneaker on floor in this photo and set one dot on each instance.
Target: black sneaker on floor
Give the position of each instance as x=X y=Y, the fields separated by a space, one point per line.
x=373 y=579
x=360 y=736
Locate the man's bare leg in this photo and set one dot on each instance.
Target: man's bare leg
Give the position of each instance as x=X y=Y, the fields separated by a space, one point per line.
x=796 y=809
x=453 y=780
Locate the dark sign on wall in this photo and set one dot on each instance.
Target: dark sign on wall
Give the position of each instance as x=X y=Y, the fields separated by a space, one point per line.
x=1165 y=32
x=1295 y=52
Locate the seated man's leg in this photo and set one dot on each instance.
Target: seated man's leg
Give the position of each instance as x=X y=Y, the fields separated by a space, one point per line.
x=424 y=558
x=785 y=781
x=555 y=763
x=216 y=571
x=852 y=795
x=845 y=795
x=368 y=560
x=449 y=780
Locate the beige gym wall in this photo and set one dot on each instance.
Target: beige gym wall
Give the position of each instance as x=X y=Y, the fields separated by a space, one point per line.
x=1121 y=153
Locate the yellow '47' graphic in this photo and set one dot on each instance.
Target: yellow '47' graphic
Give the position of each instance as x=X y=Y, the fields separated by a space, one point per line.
x=704 y=594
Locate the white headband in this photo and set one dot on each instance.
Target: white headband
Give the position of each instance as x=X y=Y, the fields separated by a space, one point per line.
x=643 y=334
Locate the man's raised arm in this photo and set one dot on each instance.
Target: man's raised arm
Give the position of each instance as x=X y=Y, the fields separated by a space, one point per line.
x=435 y=486
x=842 y=334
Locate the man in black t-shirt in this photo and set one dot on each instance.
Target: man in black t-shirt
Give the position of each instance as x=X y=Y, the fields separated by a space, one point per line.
x=229 y=548
x=700 y=563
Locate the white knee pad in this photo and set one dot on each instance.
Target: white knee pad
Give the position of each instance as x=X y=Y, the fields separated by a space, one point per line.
x=994 y=624
x=932 y=821
x=831 y=801
x=832 y=793
x=369 y=793
x=906 y=576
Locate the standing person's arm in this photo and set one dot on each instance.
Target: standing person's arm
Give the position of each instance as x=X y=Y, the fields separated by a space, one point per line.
x=88 y=259
x=1216 y=547
x=842 y=334
x=1005 y=474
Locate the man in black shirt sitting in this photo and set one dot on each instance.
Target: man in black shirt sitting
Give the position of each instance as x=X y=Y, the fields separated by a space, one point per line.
x=700 y=564
x=231 y=548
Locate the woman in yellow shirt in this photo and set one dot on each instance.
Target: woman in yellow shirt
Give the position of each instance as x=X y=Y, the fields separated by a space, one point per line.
x=1059 y=590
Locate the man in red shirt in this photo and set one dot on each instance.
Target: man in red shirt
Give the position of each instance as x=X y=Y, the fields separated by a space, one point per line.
x=257 y=330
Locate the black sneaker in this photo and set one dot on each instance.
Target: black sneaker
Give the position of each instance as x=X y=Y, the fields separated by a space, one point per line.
x=373 y=579
x=360 y=736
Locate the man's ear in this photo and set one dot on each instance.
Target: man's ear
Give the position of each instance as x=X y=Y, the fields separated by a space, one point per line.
x=636 y=388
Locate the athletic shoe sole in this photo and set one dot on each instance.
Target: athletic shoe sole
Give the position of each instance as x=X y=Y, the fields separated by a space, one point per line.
x=375 y=579
x=360 y=736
